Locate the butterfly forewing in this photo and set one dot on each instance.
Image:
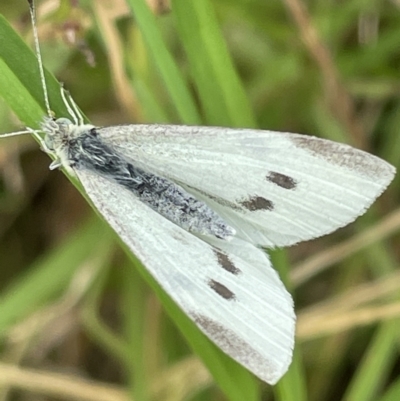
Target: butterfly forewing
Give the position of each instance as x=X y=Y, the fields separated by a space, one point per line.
x=274 y=188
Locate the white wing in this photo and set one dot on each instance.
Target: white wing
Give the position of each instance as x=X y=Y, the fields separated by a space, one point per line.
x=230 y=290
x=274 y=188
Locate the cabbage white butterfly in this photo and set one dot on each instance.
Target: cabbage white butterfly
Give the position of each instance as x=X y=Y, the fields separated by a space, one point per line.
x=194 y=204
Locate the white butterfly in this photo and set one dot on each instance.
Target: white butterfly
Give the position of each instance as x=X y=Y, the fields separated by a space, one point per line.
x=195 y=204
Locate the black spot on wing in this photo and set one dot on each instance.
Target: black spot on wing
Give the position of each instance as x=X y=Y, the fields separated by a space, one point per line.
x=225 y=262
x=257 y=203
x=221 y=290
x=281 y=180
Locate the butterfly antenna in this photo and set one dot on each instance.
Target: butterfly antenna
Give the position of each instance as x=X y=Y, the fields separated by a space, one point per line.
x=32 y=11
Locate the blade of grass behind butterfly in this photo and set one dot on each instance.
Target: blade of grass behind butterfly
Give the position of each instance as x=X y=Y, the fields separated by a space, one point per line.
x=392 y=393
x=20 y=81
x=177 y=88
x=221 y=92
x=377 y=364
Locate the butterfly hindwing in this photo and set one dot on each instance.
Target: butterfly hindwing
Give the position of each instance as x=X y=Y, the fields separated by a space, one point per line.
x=229 y=289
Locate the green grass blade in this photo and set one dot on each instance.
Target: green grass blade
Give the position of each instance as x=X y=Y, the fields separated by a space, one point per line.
x=180 y=95
x=221 y=92
x=19 y=79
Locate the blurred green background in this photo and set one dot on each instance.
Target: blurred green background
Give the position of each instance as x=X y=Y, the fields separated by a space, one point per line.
x=79 y=320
